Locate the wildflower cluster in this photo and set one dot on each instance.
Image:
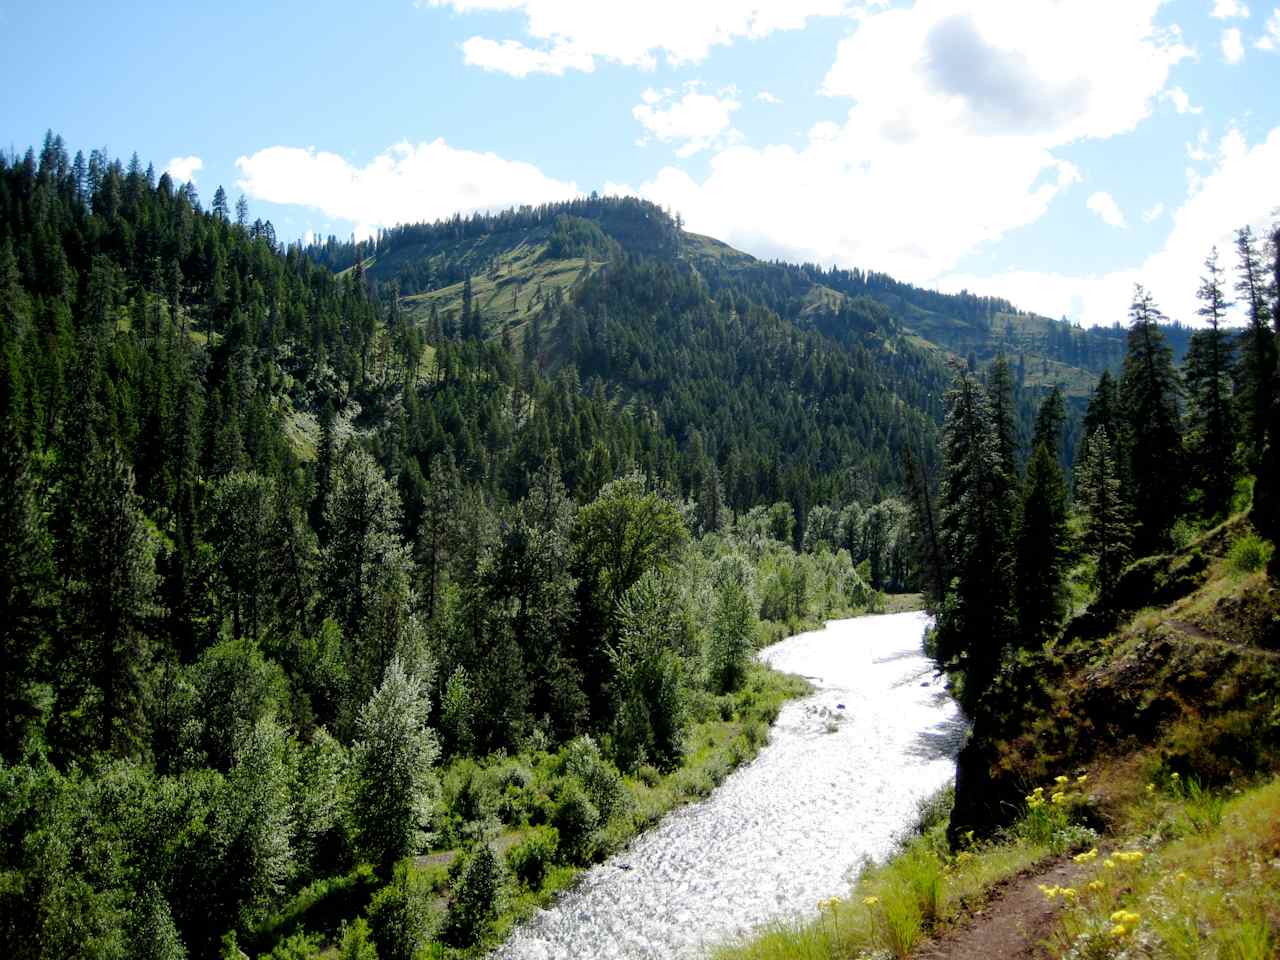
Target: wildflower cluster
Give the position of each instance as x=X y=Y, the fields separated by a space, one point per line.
x=1068 y=894
x=829 y=904
x=1087 y=856
x=1123 y=922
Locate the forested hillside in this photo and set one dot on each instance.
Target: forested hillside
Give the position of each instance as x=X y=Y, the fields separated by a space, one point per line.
x=300 y=585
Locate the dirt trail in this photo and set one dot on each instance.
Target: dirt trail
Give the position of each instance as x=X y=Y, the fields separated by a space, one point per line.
x=1199 y=635
x=1012 y=924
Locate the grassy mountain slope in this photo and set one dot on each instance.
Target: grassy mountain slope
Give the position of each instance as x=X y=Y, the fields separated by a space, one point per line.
x=516 y=266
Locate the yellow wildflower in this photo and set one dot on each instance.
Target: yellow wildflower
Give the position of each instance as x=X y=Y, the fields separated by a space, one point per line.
x=1061 y=779
x=1119 y=930
x=1086 y=857
x=1096 y=885
x=1151 y=788
x=1049 y=892
x=1181 y=877
x=1109 y=863
x=870 y=901
x=1068 y=893
x=1082 y=778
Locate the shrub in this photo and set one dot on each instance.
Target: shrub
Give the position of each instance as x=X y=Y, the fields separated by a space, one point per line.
x=355 y=943
x=576 y=819
x=530 y=858
x=1249 y=554
x=477 y=898
x=400 y=916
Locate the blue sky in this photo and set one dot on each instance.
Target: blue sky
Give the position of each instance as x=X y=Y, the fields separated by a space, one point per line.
x=1050 y=151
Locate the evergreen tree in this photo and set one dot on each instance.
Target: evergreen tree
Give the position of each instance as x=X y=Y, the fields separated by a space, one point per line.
x=1149 y=394
x=1258 y=346
x=1107 y=530
x=1207 y=374
x=977 y=617
x=1042 y=535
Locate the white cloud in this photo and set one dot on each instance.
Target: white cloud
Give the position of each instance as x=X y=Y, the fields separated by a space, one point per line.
x=957 y=108
x=764 y=96
x=1181 y=102
x=572 y=34
x=1232 y=45
x=405 y=184
x=184 y=169
x=1270 y=41
x=1228 y=9
x=1241 y=190
x=1105 y=206
x=517 y=60
x=1153 y=213
x=697 y=120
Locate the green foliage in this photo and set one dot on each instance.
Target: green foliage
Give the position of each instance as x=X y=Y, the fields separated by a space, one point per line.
x=400 y=917
x=1249 y=553
x=392 y=769
x=733 y=631
x=530 y=859
x=355 y=942
x=476 y=897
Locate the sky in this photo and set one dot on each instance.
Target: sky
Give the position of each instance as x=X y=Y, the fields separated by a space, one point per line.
x=1053 y=152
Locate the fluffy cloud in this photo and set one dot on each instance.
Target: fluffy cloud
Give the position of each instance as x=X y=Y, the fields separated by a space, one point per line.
x=1270 y=41
x=1153 y=213
x=764 y=96
x=957 y=107
x=1105 y=206
x=573 y=34
x=1181 y=102
x=1240 y=190
x=1228 y=9
x=1232 y=45
x=405 y=184
x=696 y=120
x=184 y=169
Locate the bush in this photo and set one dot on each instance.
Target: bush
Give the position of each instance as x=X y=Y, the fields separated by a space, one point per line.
x=530 y=858
x=355 y=943
x=400 y=915
x=477 y=898
x=577 y=821
x=1249 y=553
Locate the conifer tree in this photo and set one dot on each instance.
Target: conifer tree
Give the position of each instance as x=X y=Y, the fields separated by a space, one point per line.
x=1042 y=534
x=1258 y=347
x=1149 y=394
x=1207 y=373
x=977 y=617
x=1107 y=530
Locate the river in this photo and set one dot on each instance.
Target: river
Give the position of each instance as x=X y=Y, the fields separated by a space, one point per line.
x=840 y=778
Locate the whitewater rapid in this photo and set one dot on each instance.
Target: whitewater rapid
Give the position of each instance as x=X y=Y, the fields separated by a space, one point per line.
x=841 y=776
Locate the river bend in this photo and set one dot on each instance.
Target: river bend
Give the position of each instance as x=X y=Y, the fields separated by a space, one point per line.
x=840 y=777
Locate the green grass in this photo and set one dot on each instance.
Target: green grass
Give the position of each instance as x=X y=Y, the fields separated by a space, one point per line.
x=1211 y=890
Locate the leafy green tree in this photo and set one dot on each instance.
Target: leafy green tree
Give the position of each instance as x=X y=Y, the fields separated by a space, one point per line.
x=392 y=768
x=731 y=637
x=258 y=859
x=648 y=676
x=477 y=897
